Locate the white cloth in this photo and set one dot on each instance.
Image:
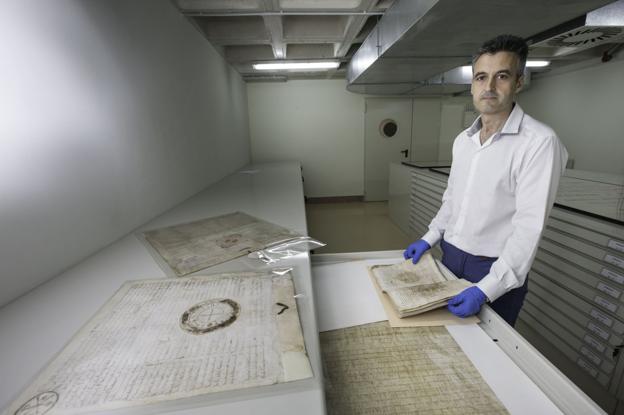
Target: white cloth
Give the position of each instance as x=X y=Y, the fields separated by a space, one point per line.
x=499 y=196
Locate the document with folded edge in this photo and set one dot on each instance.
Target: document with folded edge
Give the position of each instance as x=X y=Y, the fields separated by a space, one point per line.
x=417 y=288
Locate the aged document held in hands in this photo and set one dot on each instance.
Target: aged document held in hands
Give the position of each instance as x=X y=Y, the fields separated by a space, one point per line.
x=377 y=369
x=416 y=288
x=193 y=246
x=417 y=299
x=167 y=339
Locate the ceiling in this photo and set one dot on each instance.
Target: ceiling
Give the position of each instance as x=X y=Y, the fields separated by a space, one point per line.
x=254 y=31
x=399 y=47
x=417 y=42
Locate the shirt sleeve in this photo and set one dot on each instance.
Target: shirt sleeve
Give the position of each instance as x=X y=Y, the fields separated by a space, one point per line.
x=535 y=194
x=440 y=221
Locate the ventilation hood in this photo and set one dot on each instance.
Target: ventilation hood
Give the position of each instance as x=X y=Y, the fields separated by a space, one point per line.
x=417 y=46
x=601 y=26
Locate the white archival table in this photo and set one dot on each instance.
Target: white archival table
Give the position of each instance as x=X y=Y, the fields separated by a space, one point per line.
x=524 y=381
x=37 y=325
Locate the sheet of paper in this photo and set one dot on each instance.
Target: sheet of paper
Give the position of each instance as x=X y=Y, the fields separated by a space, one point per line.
x=375 y=368
x=166 y=339
x=438 y=317
x=193 y=246
x=424 y=297
x=346 y=296
x=417 y=288
x=360 y=306
x=407 y=274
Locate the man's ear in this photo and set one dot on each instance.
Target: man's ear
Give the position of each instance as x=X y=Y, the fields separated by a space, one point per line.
x=519 y=83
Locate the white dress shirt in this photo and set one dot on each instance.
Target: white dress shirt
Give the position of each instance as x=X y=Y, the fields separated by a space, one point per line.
x=499 y=196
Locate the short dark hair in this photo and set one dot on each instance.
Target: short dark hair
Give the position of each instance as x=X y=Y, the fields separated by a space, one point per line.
x=505 y=43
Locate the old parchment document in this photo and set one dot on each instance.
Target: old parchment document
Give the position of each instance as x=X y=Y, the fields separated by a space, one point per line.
x=416 y=288
x=189 y=247
x=166 y=339
x=407 y=274
x=377 y=369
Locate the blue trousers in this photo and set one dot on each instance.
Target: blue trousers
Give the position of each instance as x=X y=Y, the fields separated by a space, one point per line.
x=473 y=268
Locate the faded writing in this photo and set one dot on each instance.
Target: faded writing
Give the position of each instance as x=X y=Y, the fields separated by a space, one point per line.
x=134 y=350
x=189 y=247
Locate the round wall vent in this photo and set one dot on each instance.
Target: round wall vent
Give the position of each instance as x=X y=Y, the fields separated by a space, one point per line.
x=388 y=128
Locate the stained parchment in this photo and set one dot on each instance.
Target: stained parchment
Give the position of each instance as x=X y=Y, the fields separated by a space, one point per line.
x=407 y=274
x=417 y=299
x=416 y=288
x=189 y=247
x=159 y=340
x=377 y=369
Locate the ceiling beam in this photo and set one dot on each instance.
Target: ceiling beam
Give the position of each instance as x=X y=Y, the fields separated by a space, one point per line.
x=276 y=33
x=275 y=28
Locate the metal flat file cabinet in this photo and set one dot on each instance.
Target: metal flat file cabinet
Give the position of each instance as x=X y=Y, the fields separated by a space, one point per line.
x=574 y=311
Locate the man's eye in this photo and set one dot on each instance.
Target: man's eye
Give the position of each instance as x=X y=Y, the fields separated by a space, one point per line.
x=503 y=76
x=479 y=78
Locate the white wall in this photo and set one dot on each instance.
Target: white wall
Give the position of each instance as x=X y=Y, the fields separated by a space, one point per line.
x=321 y=124
x=586 y=109
x=452 y=124
x=111 y=112
x=426 y=122
x=317 y=122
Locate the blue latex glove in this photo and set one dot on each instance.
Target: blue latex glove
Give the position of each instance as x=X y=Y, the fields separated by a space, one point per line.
x=416 y=250
x=467 y=302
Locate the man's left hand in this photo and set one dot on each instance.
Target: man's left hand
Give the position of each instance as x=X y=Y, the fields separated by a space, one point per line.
x=467 y=302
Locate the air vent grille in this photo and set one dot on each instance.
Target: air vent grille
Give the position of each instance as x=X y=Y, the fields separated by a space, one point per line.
x=586 y=36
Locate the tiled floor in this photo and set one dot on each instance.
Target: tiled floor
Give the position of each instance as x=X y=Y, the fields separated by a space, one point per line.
x=354 y=227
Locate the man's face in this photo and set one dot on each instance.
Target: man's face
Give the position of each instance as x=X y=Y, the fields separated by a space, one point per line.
x=495 y=82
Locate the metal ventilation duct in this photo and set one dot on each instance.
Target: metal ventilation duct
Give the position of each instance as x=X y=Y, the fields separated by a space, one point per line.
x=416 y=41
x=605 y=25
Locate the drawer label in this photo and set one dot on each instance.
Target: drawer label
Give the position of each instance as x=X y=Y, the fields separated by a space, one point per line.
x=594 y=343
x=612 y=259
x=591 y=356
x=612 y=275
x=617 y=245
x=601 y=317
x=593 y=372
x=608 y=290
x=600 y=332
x=606 y=304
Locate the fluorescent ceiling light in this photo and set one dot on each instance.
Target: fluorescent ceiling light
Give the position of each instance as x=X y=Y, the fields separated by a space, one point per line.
x=295 y=65
x=537 y=64
x=466 y=71
x=529 y=64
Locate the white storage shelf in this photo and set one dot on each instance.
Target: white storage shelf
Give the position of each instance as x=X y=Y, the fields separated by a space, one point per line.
x=36 y=326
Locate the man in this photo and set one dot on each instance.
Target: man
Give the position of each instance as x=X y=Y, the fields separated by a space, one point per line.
x=503 y=181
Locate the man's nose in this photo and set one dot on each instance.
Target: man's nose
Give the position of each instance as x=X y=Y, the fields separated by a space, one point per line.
x=491 y=83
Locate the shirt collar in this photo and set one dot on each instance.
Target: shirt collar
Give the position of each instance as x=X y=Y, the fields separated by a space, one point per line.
x=512 y=125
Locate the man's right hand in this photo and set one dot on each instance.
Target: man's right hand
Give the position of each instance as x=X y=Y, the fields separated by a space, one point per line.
x=416 y=250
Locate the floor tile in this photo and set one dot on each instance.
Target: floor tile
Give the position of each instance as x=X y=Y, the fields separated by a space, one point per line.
x=354 y=227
